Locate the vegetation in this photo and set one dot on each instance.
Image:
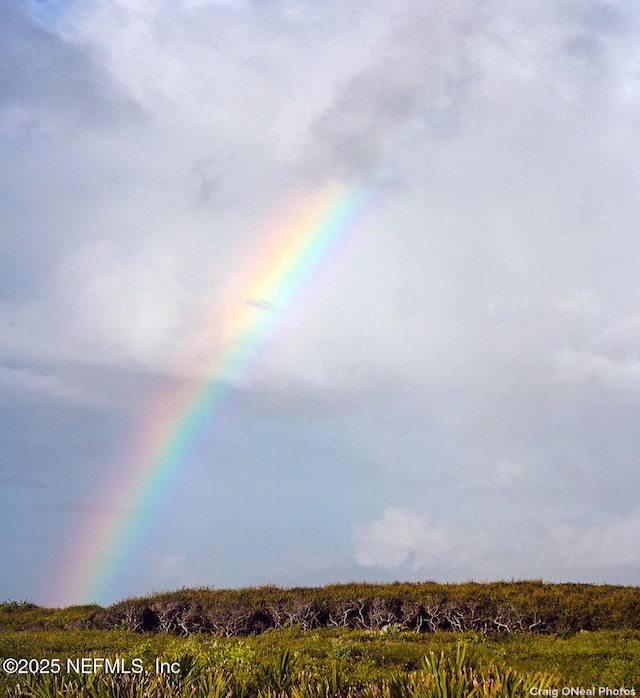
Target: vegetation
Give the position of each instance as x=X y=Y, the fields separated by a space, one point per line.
x=498 y=639
x=507 y=607
x=461 y=673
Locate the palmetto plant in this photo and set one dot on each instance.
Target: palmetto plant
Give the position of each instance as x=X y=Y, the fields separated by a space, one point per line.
x=442 y=675
x=462 y=676
x=278 y=675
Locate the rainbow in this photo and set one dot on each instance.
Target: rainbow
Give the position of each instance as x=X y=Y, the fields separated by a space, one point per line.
x=295 y=252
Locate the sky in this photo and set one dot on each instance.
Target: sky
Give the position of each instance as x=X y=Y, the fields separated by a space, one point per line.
x=455 y=392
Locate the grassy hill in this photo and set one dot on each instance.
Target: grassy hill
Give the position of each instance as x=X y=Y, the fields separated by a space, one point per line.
x=499 y=638
x=505 y=607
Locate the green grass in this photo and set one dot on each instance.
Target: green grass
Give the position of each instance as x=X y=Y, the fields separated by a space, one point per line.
x=341 y=641
x=358 y=657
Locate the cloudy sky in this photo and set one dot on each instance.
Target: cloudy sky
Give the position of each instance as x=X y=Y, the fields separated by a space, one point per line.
x=458 y=395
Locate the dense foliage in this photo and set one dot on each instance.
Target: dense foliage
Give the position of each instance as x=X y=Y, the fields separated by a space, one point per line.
x=440 y=675
x=349 y=640
x=527 y=606
x=358 y=659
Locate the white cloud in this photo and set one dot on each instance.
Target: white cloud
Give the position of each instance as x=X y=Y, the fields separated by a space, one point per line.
x=605 y=545
x=401 y=536
x=552 y=547
x=121 y=304
x=104 y=305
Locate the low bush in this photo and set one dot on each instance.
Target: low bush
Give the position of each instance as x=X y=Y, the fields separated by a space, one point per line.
x=503 y=607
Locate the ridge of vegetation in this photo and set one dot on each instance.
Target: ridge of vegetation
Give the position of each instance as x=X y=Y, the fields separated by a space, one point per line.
x=491 y=607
